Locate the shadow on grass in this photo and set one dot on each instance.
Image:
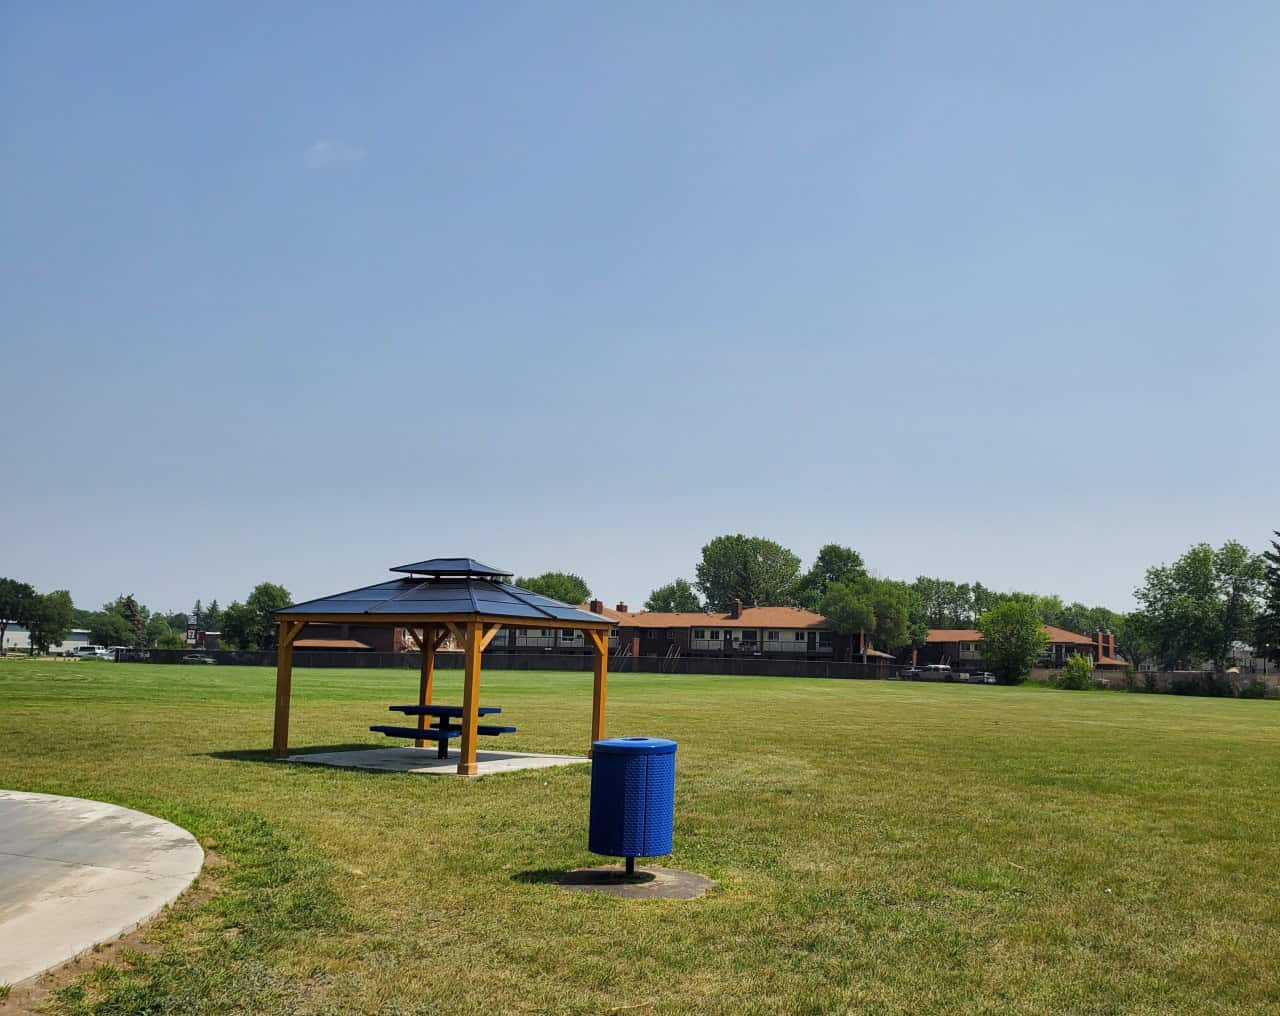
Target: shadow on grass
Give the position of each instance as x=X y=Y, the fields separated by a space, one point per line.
x=540 y=876
x=264 y=754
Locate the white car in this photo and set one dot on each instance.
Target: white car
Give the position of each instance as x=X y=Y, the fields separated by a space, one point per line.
x=95 y=653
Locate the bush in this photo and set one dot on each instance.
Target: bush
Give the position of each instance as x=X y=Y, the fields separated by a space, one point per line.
x=1077 y=675
x=1130 y=679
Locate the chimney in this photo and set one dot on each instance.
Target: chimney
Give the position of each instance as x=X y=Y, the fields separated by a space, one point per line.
x=595 y=606
x=1100 y=644
x=1111 y=643
x=736 y=612
x=621 y=608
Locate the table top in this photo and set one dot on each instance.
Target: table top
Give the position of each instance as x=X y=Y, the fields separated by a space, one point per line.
x=441 y=710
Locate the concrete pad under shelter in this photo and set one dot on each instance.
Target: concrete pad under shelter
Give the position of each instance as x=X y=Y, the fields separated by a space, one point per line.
x=76 y=873
x=425 y=761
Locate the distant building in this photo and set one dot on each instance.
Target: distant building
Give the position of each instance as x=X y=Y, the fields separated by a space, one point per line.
x=18 y=638
x=960 y=647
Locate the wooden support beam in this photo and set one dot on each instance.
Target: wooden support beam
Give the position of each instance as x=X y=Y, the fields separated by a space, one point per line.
x=413 y=634
x=458 y=633
x=425 y=678
x=470 y=701
x=284 y=685
x=489 y=633
x=600 y=647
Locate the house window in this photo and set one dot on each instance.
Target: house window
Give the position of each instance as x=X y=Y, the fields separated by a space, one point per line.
x=771 y=636
x=824 y=638
x=671 y=634
x=799 y=636
x=566 y=634
x=748 y=636
x=699 y=633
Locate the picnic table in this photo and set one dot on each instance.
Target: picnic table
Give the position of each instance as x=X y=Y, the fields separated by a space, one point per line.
x=442 y=731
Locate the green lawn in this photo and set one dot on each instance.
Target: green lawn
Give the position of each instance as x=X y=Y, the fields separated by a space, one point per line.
x=879 y=847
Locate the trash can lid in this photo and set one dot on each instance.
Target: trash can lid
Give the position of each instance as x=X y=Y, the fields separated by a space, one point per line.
x=635 y=746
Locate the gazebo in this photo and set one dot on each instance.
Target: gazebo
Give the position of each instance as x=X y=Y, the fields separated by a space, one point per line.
x=432 y=600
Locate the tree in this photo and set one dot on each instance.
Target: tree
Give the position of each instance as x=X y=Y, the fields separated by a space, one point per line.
x=250 y=625
x=563 y=586
x=674 y=598
x=170 y=640
x=834 y=563
x=158 y=629
x=756 y=571
x=1076 y=673
x=211 y=618
x=50 y=619
x=17 y=601
x=108 y=628
x=1198 y=607
x=1266 y=636
x=135 y=617
x=1012 y=640
x=878 y=609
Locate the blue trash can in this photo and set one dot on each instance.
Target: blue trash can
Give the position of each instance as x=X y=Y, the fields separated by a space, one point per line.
x=633 y=795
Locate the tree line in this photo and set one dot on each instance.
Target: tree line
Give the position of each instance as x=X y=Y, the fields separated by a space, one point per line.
x=1195 y=610
x=50 y=618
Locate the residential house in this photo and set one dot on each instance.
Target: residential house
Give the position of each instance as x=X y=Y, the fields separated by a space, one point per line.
x=961 y=648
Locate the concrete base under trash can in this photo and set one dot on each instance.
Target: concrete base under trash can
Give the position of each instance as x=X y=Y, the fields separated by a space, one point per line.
x=645 y=884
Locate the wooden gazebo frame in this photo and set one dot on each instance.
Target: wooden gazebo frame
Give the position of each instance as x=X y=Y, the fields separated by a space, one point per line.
x=472 y=629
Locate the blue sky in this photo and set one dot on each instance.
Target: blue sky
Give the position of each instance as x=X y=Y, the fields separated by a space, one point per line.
x=987 y=291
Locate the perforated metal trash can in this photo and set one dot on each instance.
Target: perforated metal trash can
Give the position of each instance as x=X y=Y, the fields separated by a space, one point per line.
x=633 y=795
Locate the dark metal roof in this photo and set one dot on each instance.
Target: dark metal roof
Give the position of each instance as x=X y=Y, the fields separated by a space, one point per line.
x=447 y=595
x=450 y=566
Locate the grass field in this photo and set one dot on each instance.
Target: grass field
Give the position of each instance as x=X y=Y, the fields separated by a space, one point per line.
x=879 y=847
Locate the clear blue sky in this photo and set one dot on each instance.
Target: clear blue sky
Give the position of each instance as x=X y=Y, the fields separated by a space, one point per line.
x=297 y=292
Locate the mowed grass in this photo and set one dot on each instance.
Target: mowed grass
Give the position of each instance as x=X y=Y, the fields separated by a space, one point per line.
x=878 y=847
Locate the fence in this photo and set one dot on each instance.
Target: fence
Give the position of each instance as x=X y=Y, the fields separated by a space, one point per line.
x=728 y=665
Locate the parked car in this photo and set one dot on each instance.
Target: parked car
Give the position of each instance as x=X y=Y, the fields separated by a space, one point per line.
x=986 y=677
x=95 y=653
x=938 y=668
x=198 y=658
x=910 y=672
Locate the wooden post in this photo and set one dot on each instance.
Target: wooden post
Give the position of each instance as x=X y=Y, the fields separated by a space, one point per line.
x=600 y=642
x=286 y=631
x=470 y=700
x=428 y=673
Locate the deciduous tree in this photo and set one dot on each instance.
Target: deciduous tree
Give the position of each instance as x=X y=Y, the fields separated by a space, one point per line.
x=249 y=625
x=563 y=586
x=756 y=571
x=674 y=598
x=50 y=620
x=834 y=563
x=1012 y=640
x=17 y=601
x=1197 y=607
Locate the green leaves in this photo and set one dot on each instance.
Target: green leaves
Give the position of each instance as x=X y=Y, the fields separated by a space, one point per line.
x=674 y=598
x=563 y=586
x=1012 y=640
x=752 y=569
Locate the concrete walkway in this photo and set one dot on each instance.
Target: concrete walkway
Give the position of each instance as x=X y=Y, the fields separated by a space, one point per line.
x=74 y=873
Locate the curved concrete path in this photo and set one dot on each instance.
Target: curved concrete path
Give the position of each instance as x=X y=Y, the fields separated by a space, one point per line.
x=74 y=873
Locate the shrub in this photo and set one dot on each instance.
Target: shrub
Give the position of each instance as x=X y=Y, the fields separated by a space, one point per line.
x=1077 y=675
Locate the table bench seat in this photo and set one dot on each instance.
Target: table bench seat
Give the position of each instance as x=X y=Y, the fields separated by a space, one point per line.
x=441 y=710
x=426 y=734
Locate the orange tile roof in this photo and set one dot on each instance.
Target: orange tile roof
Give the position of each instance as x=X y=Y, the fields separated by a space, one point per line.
x=752 y=617
x=973 y=635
